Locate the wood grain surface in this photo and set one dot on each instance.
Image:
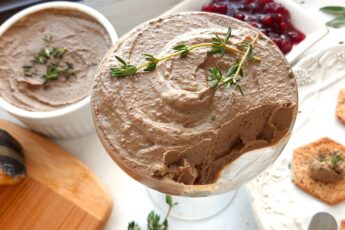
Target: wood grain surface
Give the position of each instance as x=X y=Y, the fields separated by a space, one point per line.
x=59 y=192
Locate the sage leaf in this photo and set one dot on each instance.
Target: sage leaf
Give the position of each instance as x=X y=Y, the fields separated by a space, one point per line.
x=336 y=10
x=336 y=22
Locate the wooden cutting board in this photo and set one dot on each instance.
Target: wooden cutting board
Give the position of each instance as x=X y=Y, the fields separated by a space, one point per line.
x=59 y=191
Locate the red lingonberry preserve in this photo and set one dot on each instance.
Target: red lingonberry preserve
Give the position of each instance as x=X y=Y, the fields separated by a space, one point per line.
x=270 y=17
x=215 y=8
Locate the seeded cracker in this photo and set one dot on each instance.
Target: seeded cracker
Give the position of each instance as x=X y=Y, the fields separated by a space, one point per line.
x=330 y=193
x=340 y=111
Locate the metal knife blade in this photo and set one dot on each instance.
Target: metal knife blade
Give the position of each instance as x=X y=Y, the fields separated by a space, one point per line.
x=323 y=221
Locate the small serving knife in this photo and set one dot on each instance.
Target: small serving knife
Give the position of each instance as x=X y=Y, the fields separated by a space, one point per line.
x=323 y=221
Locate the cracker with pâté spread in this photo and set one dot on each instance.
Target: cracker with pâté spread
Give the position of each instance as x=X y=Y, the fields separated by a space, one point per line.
x=319 y=168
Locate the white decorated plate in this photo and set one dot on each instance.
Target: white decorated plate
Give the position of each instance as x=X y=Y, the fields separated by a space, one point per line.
x=301 y=19
x=276 y=201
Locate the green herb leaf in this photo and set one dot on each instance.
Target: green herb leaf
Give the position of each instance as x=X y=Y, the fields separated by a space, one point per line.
x=232 y=70
x=120 y=60
x=165 y=225
x=215 y=76
x=183 y=49
x=218 y=44
x=336 y=22
x=240 y=89
x=133 y=226
x=216 y=49
x=153 y=221
x=336 y=10
x=228 y=35
x=322 y=158
x=336 y=158
x=47 y=38
x=149 y=57
x=217 y=79
x=58 y=52
x=151 y=66
x=66 y=70
x=41 y=57
x=27 y=70
x=152 y=62
x=123 y=71
x=168 y=200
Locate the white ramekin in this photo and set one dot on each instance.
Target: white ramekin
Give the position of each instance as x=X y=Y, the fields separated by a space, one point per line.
x=72 y=121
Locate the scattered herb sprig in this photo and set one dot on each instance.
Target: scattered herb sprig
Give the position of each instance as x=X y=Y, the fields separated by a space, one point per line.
x=336 y=158
x=153 y=219
x=218 y=45
x=51 y=58
x=339 y=12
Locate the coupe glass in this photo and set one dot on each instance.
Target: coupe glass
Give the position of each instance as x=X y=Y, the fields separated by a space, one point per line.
x=205 y=201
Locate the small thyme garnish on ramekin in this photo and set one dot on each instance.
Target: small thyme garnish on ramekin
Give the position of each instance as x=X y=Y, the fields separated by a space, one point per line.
x=216 y=77
x=51 y=58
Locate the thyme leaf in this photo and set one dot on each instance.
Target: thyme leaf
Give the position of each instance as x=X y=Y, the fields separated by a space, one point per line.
x=47 y=38
x=152 y=62
x=219 y=44
x=183 y=49
x=154 y=220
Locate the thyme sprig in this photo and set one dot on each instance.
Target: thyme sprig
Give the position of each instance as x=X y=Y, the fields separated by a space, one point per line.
x=153 y=219
x=235 y=72
x=218 y=45
x=51 y=58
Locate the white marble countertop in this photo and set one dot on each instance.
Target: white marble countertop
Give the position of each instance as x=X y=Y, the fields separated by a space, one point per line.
x=131 y=201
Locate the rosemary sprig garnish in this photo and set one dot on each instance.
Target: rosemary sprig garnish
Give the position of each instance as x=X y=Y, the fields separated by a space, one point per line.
x=51 y=58
x=218 y=45
x=153 y=219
